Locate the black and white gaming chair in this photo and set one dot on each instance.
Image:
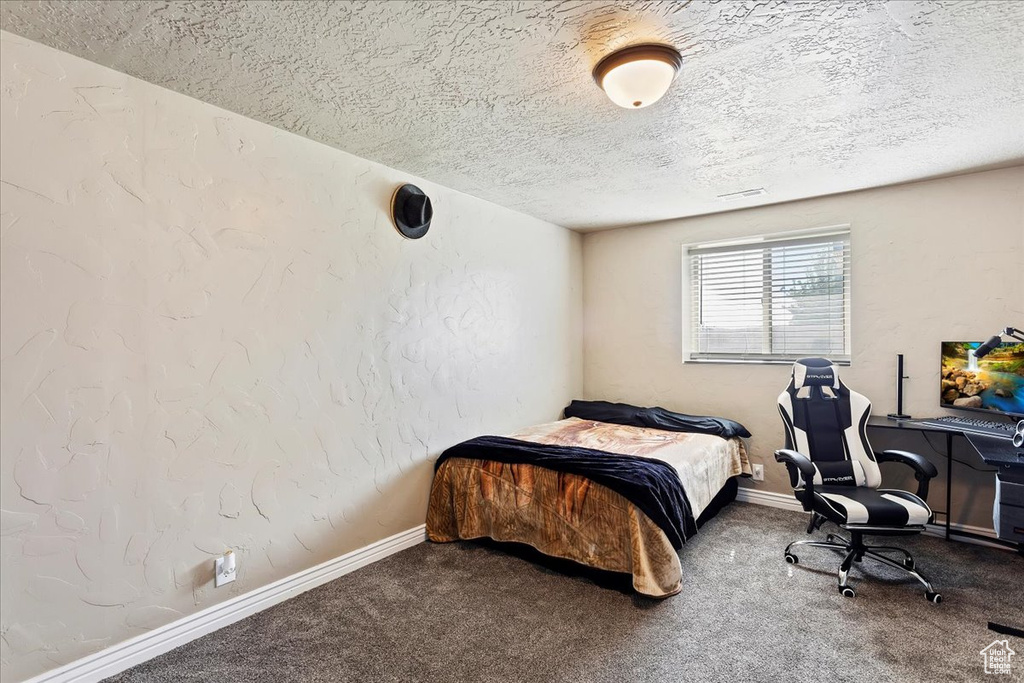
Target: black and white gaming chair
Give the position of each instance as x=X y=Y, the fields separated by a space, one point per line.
x=835 y=473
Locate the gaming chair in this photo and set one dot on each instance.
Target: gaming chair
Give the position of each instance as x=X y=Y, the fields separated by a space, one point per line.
x=835 y=474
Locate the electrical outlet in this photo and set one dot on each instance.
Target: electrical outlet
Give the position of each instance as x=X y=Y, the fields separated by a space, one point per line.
x=224 y=569
x=758 y=472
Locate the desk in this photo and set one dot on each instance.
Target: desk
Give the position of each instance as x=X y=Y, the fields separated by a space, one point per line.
x=998 y=453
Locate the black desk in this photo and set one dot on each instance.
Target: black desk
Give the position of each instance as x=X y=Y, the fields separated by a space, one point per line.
x=999 y=453
x=994 y=451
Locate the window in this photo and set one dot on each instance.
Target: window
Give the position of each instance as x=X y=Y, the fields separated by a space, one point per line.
x=771 y=299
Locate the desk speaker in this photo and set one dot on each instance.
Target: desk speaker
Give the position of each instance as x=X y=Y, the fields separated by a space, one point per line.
x=1018 y=435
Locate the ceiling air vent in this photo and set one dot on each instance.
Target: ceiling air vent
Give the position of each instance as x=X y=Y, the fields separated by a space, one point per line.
x=742 y=194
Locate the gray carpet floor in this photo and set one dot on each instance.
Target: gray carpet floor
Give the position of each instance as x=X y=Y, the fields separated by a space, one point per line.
x=465 y=612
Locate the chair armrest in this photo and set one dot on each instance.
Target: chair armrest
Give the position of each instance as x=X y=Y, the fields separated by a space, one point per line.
x=805 y=467
x=923 y=470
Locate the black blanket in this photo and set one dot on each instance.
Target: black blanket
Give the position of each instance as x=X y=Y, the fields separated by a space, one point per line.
x=652 y=485
x=655 y=418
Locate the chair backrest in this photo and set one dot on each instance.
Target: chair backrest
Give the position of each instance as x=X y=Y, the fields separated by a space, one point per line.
x=828 y=423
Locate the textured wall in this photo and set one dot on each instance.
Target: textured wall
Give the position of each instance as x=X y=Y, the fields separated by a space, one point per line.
x=496 y=98
x=212 y=337
x=931 y=261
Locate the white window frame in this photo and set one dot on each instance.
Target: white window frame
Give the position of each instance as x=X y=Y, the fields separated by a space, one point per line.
x=689 y=295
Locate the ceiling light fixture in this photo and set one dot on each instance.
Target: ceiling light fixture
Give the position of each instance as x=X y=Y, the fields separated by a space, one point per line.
x=638 y=76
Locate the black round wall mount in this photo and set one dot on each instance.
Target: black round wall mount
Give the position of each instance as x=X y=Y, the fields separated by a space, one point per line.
x=411 y=211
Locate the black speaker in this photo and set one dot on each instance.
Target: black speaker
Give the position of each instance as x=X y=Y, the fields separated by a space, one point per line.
x=898 y=415
x=411 y=211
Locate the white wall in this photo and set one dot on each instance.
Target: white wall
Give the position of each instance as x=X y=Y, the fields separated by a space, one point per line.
x=213 y=337
x=933 y=260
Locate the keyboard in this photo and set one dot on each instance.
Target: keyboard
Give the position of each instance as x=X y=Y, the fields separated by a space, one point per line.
x=1001 y=430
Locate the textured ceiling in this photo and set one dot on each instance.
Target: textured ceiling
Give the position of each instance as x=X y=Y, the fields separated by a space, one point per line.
x=496 y=99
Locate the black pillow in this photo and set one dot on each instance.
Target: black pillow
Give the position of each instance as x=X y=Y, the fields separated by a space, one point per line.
x=654 y=418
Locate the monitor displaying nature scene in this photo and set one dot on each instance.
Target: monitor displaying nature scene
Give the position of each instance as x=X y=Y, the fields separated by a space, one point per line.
x=994 y=382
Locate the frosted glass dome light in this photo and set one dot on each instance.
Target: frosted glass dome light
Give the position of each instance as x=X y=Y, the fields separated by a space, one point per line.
x=638 y=76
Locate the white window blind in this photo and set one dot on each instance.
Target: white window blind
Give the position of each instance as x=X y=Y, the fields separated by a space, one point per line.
x=771 y=300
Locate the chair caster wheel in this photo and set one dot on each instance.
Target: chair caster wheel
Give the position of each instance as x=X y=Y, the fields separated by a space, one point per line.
x=908 y=563
x=934 y=598
x=830 y=538
x=792 y=559
x=847 y=592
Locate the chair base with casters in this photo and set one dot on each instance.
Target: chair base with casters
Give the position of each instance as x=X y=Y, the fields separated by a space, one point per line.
x=855 y=550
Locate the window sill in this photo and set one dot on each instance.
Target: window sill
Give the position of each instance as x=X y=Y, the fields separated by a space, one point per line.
x=752 y=361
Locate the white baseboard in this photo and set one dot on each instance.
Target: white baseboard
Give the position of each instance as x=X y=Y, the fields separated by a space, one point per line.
x=786 y=501
x=940 y=530
x=136 y=650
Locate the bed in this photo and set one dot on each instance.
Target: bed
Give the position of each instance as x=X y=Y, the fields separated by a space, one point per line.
x=571 y=516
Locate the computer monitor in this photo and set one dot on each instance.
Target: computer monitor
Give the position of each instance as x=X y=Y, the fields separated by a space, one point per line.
x=992 y=384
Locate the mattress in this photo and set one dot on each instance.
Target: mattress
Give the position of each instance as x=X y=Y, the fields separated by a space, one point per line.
x=571 y=517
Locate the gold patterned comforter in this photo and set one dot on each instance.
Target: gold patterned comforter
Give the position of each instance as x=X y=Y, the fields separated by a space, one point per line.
x=570 y=516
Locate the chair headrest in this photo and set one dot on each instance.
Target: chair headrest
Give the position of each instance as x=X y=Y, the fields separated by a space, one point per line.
x=815 y=372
